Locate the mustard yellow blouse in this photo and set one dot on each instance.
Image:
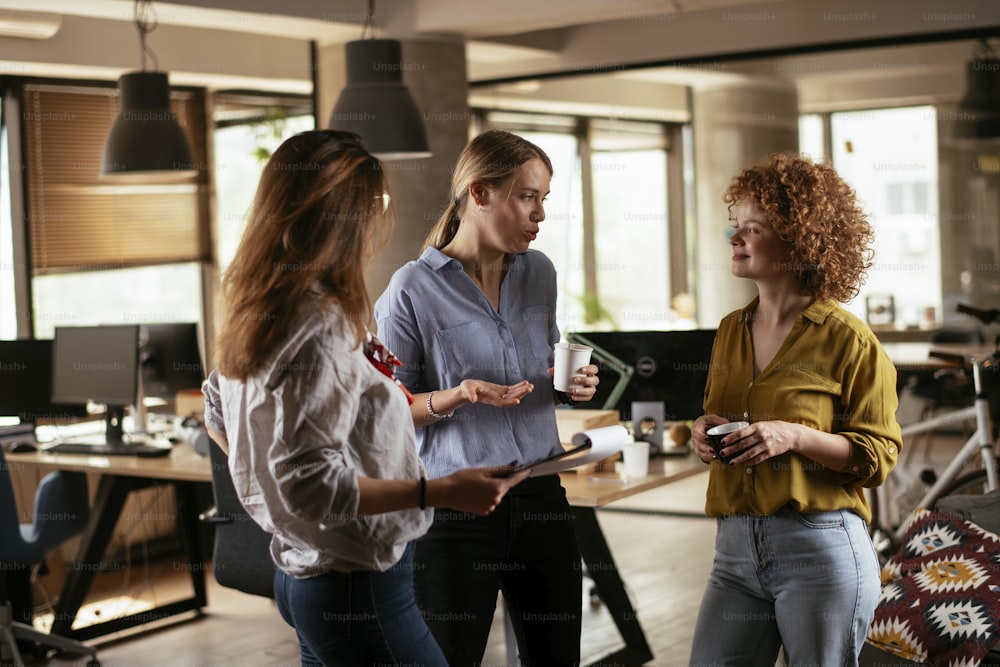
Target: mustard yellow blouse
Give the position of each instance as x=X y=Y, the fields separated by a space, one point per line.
x=830 y=374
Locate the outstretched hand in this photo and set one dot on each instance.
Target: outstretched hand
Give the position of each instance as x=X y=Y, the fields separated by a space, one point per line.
x=497 y=395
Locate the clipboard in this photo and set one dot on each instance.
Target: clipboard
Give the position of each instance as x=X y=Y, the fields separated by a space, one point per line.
x=591 y=445
x=555 y=457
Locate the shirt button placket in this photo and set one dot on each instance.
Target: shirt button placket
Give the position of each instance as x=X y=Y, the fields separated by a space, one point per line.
x=513 y=367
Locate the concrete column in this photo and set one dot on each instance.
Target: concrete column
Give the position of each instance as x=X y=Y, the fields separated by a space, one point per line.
x=435 y=73
x=734 y=126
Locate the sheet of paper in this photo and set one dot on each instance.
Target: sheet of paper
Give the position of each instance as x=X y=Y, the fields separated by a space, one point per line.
x=591 y=445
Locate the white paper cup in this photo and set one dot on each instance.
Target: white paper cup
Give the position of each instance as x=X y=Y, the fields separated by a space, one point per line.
x=635 y=456
x=570 y=358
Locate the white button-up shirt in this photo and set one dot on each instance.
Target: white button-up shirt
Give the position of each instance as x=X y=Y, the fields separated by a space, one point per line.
x=314 y=417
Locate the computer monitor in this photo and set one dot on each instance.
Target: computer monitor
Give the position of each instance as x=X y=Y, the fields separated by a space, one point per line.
x=668 y=366
x=98 y=364
x=26 y=383
x=169 y=358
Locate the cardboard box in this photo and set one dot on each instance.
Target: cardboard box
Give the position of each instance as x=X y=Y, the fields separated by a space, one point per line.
x=572 y=421
x=190 y=403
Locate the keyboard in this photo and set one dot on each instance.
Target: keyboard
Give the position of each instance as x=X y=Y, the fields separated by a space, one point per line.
x=103 y=449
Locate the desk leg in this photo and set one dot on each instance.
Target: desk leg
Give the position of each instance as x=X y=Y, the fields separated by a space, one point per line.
x=602 y=569
x=112 y=492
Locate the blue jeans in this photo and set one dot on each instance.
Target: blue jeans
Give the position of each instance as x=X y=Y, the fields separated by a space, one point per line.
x=358 y=618
x=527 y=549
x=808 y=582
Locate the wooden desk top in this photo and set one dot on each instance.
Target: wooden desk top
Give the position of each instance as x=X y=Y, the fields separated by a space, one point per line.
x=600 y=488
x=931 y=356
x=183 y=464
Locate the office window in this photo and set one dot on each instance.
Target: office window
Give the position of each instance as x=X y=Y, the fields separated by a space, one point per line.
x=79 y=220
x=606 y=227
x=103 y=251
x=890 y=158
x=812 y=136
x=161 y=293
x=247 y=130
x=630 y=232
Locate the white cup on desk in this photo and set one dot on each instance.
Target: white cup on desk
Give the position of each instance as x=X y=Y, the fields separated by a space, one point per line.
x=635 y=457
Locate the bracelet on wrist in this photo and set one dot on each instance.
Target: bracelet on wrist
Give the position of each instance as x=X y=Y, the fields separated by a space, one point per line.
x=423 y=493
x=430 y=409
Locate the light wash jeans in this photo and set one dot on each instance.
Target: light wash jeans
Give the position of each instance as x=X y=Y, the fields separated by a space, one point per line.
x=808 y=582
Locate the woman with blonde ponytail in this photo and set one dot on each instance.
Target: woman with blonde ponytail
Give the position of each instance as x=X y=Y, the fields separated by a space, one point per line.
x=479 y=303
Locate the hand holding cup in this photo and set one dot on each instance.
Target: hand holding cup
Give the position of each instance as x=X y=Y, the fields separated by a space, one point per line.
x=717 y=433
x=570 y=358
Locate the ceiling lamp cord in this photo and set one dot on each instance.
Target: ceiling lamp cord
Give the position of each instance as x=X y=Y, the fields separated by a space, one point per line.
x=146 y=22
x=369 y=24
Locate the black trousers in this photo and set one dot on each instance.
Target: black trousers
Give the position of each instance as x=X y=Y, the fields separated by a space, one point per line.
x=527 y=549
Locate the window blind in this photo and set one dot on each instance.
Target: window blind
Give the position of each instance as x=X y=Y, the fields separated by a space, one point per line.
x=78 y=220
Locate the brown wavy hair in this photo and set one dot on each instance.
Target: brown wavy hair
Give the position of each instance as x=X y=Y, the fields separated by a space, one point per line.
x=491 y=158
x=316 y=219
x=812 y=209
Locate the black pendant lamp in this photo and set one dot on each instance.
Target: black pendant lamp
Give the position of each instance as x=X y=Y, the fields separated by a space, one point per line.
x=979 y=110
x=146 y=142
x=375 y=104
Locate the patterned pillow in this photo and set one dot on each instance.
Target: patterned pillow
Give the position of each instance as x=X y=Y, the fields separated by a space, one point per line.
x=940 y=596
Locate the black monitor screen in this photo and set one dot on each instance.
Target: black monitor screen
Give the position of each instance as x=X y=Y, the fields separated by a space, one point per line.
x=668 y=366
x=26 y=384
x=170 y=358
x=96 y=363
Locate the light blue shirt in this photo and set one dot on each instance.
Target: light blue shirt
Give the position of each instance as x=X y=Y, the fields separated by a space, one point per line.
x=445 y=330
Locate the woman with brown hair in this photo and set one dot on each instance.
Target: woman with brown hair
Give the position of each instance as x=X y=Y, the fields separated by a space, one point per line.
x=794 y=566
x=480 y=303
x=319 y=437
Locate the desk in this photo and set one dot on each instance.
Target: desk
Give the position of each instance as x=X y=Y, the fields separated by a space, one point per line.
x=914 y=357
x=585 y=495
x=119 y=476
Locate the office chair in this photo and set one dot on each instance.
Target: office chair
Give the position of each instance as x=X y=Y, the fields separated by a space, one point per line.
x=61 y=512
x=242 y=558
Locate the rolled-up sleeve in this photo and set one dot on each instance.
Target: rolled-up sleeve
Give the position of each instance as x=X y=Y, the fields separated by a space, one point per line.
x=310 y=454
x=397 y=328
x=213 y=403
x=869 y=420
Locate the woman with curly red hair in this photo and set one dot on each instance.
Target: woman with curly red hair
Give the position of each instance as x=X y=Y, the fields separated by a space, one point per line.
x=794 y=566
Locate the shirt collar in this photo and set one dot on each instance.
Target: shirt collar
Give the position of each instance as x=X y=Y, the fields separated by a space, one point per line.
x=817 y=311
x=437 y=260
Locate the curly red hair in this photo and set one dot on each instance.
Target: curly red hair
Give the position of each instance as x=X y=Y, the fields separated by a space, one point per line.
x=812 y=209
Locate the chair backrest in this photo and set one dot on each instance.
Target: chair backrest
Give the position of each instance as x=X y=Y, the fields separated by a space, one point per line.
x=242 y=558
x=61 y=511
